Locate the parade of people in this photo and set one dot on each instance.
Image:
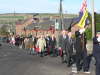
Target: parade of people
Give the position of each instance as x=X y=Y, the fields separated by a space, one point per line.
x=50 y=44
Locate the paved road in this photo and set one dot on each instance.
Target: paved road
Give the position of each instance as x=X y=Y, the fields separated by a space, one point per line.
x=15 y=61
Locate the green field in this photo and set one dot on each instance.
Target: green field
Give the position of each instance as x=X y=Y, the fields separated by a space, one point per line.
x=11 y=18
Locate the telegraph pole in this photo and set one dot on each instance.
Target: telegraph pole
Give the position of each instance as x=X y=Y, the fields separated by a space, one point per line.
x=93 y=24
x=14 y=25
x=61 y=16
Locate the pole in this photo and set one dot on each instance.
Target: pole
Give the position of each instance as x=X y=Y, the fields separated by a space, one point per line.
x=61 y=16
x=14 y=25
x=93 y=25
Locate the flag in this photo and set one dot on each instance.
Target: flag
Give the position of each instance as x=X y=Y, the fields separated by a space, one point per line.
x=84 y=6
x=83 y=14
x=82 y=22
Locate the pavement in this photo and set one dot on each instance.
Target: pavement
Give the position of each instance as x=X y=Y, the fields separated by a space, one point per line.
x=16 y=61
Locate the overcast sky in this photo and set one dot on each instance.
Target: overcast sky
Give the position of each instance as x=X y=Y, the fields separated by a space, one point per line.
x=44 y=6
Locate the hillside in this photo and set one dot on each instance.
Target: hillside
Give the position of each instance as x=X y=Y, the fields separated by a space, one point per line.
x=12 y=18
x=23 y=16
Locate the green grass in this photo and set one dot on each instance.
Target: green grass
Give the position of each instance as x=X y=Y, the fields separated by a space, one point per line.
x=19 y=17
x=98 y=26
x=56 y=14
x=97 y=16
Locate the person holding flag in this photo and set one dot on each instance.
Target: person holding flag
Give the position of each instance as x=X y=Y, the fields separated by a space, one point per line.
x=83 y=15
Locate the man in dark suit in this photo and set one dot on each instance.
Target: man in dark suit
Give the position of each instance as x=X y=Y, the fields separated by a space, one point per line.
x=69 y=48
x=47 y=38
x=96 y=52
x=86 y=58
x=78 y=48
x=62 y=45
x=53 y=45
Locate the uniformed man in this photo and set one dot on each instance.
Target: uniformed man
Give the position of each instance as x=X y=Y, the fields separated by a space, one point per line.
x=96 y=52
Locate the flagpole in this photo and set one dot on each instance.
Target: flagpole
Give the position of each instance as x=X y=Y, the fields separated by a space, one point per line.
x=93 y=26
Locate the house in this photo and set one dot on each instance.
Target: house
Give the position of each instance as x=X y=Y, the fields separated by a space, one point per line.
x=45 y=26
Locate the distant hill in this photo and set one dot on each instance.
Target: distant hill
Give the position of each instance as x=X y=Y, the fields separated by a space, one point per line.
x=12 y=18
x=27 y=15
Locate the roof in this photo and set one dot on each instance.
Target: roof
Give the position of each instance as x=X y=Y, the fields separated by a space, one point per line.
x=45 y=25
x=67 y=23
x=32 y=26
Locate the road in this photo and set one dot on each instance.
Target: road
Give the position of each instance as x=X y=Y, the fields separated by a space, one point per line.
x=15 y=61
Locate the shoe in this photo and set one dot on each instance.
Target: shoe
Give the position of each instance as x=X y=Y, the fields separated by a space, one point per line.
x=75 y=71
x=87 y=72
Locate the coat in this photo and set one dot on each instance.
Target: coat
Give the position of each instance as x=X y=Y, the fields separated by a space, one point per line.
x=52 y=43
x=69 y=45
x=78 y=45
x=63 y=43
x=41 y=43
x=96 y=49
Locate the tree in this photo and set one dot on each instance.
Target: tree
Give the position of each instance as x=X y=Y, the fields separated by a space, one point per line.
x=89 y=29
x=4 y=30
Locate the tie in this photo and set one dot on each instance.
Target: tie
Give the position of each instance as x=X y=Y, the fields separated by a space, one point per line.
x=70 y=40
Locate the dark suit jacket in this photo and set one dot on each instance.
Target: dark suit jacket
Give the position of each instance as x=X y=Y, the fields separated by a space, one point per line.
x=96 y=49
x=69 y=45
x=47 y=41
x=63 y=42
x=78 y=45
x=52 y=43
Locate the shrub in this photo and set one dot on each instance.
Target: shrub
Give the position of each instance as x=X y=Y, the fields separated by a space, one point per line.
x=89 y=33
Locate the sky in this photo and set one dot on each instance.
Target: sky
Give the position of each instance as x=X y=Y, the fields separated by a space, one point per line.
x=44 y=6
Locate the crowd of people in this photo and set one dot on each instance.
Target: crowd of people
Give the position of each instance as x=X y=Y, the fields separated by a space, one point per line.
x=40 y=44
x=71 y=49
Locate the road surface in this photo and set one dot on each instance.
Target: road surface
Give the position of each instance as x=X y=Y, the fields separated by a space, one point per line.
x=15 y=61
